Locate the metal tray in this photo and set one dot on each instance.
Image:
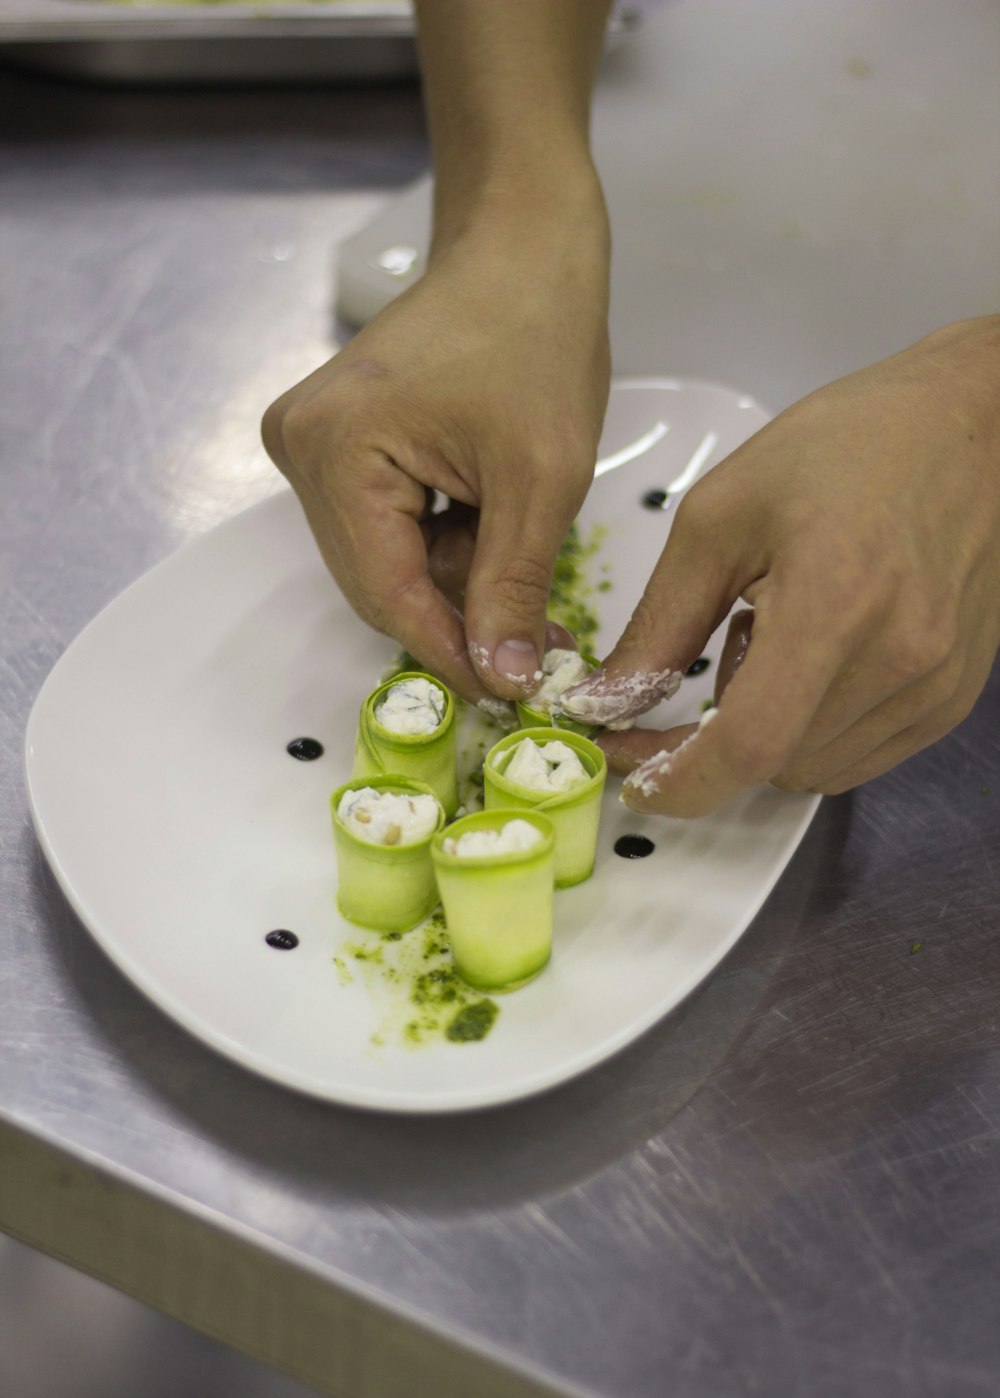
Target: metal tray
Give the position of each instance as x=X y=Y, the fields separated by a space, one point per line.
x=213 y=42
x=271 y=41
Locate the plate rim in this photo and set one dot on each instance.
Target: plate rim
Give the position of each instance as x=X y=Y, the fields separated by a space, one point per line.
x=373 y=1098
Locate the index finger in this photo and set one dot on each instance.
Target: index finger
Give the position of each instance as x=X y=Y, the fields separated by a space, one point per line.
x=376 y=551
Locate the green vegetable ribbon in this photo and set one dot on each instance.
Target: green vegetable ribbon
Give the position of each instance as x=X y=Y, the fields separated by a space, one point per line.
x=427 y=757
x=529 y=717
x=575 y=814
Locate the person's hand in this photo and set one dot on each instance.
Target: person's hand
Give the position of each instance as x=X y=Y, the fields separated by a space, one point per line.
x=486 y=381
x=863 y=526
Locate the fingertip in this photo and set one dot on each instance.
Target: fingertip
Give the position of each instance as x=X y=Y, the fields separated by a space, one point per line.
x=558 y=638
x=610 y=697
x=627 y=751
x=634 y=801
x=467 y=683
x=663 y=781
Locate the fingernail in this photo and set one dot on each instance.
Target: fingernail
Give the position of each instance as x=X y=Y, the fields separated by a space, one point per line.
x=558 y=638
x=617 y=701
x=516 y=661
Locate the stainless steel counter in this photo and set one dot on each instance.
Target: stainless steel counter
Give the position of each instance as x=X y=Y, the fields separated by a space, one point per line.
x=788 y=1188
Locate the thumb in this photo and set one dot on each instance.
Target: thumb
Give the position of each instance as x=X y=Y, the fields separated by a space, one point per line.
x=509 y=584
x=691 y=589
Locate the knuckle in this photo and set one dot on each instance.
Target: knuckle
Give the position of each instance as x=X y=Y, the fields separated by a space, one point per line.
x=523 y=586
x=272 y=432
x=568 y=456
x=940 y=687
x=940 y=641
x=904 y=659
x=301 y=426
x=924 y=649
x=757 y=757
x=954 y=711
x=369 y=611
x=792 y=778
x=697 y=510
x=315 y=431
x=849 y=586
x=289 y=431
x=645 y=625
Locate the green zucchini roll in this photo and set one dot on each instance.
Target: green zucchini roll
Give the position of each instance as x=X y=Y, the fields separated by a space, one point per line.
x=495 y=874
x=382 y=830
x=562 y=775
x=560 y=670
x=407 y=725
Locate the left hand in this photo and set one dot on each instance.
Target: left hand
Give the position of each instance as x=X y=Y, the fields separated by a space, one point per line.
x=863 y=526
x=487 y=381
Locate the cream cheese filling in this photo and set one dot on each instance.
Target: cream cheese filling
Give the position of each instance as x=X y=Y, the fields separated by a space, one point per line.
x=560 y=670
x=388 y=817
x=411 y=706
x=514 y=837
x=545 y=766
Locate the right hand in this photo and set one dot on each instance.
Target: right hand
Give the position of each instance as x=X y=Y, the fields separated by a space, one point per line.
x=487 y=381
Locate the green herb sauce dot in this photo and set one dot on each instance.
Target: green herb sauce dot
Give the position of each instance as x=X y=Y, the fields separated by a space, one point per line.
x=473 y=1022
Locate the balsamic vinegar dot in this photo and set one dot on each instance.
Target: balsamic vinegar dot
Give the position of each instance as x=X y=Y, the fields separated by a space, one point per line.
x=655 y=499
x=281 y=939
x=305 y=749
x=634 y=846
x=699 y=667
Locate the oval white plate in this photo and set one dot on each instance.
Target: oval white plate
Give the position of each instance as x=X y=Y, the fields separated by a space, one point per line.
x=182 y=832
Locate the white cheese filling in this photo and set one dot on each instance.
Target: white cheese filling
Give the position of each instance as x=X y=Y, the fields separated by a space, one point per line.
x=545 y=766
x=514 y=837
x=388 y=817
x=561 y=669
x=412 y=706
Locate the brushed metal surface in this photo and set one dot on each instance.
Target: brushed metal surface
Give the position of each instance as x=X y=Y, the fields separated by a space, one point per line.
x=65 y=1335
x=789 y=1188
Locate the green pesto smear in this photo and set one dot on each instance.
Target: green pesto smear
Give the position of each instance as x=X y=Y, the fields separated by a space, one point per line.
x=571 y=601
x=412 y=975
x=423 y=998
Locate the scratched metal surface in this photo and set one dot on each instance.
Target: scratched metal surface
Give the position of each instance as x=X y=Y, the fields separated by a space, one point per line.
x=789 y=1188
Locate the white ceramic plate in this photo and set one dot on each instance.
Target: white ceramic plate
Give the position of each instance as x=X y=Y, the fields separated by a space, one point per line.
x=182 y=832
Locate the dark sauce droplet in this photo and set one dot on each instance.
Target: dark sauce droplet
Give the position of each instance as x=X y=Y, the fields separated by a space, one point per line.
x=305 y=749
x=699 y=667
x=655 y=499
x=634 y=847
x=282 y=939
